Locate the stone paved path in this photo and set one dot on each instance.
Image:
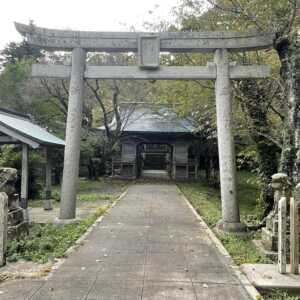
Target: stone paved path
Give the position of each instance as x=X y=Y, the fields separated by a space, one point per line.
x=150 y=246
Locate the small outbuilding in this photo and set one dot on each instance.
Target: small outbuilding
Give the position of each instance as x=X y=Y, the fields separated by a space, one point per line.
x=17 y=128
x=155 y=142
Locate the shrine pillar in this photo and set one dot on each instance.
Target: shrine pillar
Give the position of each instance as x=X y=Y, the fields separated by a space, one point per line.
x=230 y=221
x=73 y=133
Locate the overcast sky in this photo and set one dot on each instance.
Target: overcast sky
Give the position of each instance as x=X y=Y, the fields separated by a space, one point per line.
x=99 y=15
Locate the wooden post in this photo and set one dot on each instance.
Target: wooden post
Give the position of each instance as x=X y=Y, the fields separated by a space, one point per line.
x=24 y=182
x=174 y=169
x=48 y=200
x=230 y=208
x=294 y=230
x=282 y=235
x=3 y=227
x=196 y=169
x=73 y=135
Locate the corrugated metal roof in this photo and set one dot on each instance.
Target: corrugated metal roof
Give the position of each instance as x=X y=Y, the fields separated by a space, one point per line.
x=23 y=126
x=152 y=118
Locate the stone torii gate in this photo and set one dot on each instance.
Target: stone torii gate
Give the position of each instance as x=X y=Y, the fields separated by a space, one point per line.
x=148 y=47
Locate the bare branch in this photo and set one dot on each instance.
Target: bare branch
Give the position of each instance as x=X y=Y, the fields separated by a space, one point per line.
x=57 y=95
x=281 y=116
x=96 y=93
x=269 y=138
x=217 y=6
x=197 y=81
x=238 y=9
x=292 y=17
x=203 y=85
x=64 y=85
x=116 y=92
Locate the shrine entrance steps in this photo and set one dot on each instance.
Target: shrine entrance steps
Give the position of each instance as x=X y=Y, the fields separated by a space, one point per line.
x=155 y=174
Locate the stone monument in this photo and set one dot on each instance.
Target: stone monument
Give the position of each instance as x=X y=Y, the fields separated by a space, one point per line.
x=282 y=188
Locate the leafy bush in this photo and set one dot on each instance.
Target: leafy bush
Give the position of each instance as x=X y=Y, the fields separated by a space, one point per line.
x=279 y=295
x=55 y=194
x=11 y=157
x=48 y=241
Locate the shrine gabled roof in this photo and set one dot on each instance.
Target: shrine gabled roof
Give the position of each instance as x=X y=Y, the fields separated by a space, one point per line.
x=144 y=117
x=20 y=128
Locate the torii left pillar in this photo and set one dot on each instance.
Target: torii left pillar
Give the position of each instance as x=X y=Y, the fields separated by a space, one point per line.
x=73 y=133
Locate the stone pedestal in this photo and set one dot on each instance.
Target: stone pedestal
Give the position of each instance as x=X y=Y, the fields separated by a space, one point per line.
x=3 y=228
x=269 y=234
x=16 y=223
x=15 y=219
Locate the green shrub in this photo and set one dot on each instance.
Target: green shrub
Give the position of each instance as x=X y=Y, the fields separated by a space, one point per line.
x=279 y=295
x=48 y=241
x=55 y=195
x=10 y=156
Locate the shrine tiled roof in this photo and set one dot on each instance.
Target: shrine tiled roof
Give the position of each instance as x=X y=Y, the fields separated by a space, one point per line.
x=144 y=117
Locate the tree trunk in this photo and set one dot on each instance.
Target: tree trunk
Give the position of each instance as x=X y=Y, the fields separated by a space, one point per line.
x=289 y=55
x=257 y=110
x=254 y=103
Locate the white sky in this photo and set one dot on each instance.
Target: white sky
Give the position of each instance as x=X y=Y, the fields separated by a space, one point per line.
x=97 y=15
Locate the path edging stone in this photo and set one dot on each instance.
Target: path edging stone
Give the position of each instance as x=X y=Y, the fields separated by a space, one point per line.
x=251 y=290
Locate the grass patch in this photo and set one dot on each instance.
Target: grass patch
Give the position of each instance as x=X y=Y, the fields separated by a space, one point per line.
x=207 y=202
x=279 y=295
x=100 y=184
x=46 y=242
x=95 y=197
x=105 y=189
x=241 y=249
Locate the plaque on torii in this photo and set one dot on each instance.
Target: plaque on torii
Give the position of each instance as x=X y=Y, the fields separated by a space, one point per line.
x=148 y=46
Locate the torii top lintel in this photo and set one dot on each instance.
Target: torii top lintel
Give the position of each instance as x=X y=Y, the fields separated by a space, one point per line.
x=53 y=39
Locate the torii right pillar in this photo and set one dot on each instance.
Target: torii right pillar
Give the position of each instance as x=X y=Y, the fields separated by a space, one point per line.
x=230 y=221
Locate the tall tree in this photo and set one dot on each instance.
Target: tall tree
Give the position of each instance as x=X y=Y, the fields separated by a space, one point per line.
x=15 y=52
x=280 y=17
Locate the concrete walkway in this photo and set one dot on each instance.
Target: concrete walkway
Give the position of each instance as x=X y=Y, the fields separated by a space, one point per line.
x=150 y=246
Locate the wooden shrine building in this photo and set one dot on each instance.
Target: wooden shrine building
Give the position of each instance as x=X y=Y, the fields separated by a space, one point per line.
x=155 y=142
x=17 y=128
